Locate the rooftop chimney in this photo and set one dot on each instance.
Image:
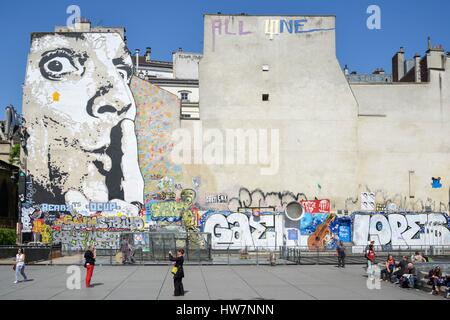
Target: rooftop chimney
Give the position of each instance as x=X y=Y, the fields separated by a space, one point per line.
x=82 y=25
x=137 y=59
x=417 y=71
x=346 y=71
x=180 y=49
x=398 y=65
x=148 y=54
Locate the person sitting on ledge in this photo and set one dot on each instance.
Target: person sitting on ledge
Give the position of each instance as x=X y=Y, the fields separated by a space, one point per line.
x=402 y=265
x=386 y=274
x=436 y=280
x=418 y=258
x=409 y=278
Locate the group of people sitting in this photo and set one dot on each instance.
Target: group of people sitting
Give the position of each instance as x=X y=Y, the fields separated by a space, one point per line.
x=404 y=273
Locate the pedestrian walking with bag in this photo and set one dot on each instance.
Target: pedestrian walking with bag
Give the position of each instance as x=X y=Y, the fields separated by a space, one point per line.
x=19 y=266
x=90 y=255
x=178 y=272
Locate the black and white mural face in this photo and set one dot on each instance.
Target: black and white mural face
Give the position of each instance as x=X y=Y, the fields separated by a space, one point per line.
x=80 y=113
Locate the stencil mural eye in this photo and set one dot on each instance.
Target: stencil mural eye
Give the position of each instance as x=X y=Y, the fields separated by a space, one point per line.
x=124 y=69
x=125 y=72
x=57 y=64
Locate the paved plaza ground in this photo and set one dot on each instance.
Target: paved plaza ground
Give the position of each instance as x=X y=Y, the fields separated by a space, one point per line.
x=205 y=283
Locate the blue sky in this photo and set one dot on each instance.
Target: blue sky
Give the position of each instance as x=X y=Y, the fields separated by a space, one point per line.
x=167 y=25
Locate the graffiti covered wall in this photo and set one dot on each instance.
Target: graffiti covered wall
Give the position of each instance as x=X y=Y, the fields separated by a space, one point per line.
x=256 y=219
x=83 y=110
x=99 y=145
x=239 y=230
x=401 y=229
x=158 y=115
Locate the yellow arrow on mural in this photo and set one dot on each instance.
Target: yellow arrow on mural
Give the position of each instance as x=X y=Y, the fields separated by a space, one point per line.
x=56 y=96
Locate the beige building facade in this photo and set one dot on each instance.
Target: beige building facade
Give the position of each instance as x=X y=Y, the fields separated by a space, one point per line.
x=336 y=140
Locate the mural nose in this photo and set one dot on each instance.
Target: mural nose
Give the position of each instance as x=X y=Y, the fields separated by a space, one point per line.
x=102 y=103
x=106 y=109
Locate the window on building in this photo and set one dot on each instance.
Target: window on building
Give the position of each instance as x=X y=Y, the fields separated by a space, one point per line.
x=185 y=96
x=265 y=68
x=265 y=97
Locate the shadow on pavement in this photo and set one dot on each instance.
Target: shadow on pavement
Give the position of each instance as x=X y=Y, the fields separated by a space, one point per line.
x=96 y=284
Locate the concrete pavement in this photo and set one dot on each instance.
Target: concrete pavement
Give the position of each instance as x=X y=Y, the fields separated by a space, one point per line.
x=204 y=283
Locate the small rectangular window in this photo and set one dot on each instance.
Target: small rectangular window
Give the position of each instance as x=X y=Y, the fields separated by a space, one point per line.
x=265 y=97
x=184 y=96
x=265 y=67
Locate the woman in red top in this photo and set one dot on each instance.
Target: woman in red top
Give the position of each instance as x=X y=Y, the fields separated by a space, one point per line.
x=370 y=255
x=386 y=274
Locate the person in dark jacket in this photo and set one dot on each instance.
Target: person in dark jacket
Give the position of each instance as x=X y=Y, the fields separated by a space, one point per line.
x=178 y=272
x=89 y=264
x=402 y=266
x=340 y=251
x=409 y=279
x=436 y=279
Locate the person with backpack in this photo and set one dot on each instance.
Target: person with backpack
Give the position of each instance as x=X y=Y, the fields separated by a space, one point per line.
x=370 y=255
x=178 y=272
x=90 y=255
x=340 y=250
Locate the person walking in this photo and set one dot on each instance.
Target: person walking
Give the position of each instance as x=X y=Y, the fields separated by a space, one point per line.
x=178 y=272
x=89 y=256
x=125 y=250
x=341 y=254
x=370 y=254
x=19 y=266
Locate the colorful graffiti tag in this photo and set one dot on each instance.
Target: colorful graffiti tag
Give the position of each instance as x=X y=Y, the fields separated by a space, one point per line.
x=239 y=230
x=76 y=240
x=316 y=206
x=276 y=201
x=401 y=229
